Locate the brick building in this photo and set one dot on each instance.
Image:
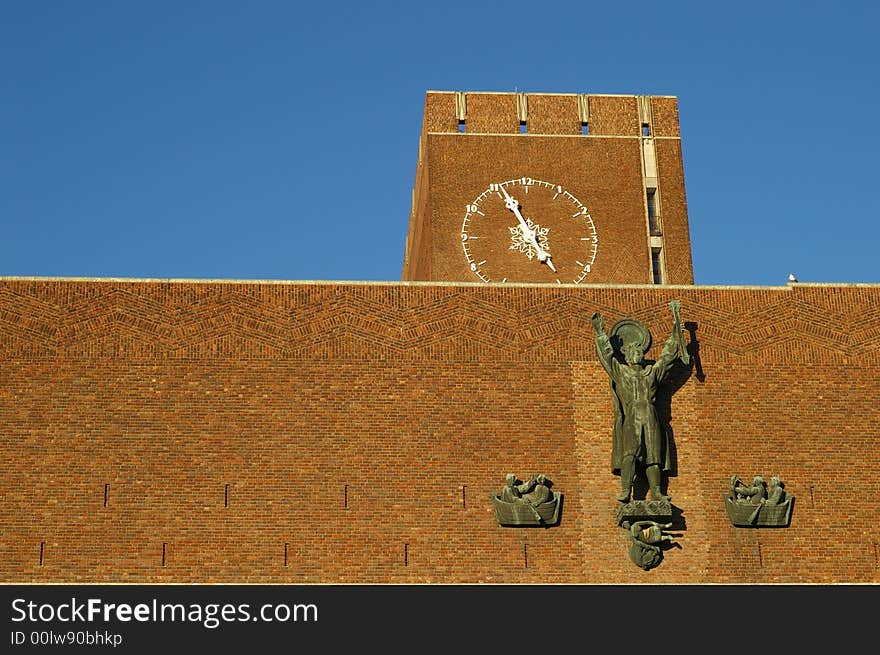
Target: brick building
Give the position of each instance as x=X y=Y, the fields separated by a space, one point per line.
x=305 y=432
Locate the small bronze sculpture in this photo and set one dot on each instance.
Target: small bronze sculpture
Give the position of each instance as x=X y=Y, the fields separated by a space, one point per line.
x=639 y=437
x=754 y=495
x=646 y=536
x=756 y=506
x=776 y=494
x=512 y=491
x=528 y=503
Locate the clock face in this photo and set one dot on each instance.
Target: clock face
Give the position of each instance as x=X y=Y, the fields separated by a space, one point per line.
x=528 y=230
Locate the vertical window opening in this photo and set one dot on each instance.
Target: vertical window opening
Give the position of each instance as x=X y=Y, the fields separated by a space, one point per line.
x=653 y=222
x=646 y=129
x=461 y=125
x=585 y=128
x=522 y=127
x=655 y=267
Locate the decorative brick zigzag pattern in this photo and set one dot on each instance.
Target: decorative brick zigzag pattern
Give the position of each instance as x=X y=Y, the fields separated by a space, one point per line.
x=184 y=320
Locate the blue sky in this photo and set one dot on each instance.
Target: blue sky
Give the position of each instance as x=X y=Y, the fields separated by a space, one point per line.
x=278 y=140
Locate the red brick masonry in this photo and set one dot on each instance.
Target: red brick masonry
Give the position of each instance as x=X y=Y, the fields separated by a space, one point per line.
x=361 y=429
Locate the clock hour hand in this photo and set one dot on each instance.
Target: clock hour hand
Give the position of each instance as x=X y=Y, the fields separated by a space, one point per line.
x=543 y=256
x=528 y=234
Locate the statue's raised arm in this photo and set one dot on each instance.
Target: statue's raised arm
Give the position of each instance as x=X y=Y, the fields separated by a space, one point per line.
x=603 y=343
x=678 y=332
x=674 y=344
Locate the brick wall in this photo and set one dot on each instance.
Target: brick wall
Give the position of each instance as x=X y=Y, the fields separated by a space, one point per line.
x=361 y=429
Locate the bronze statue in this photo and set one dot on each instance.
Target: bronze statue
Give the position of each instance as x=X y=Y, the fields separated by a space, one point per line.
x=639 y=437
x=645 y=536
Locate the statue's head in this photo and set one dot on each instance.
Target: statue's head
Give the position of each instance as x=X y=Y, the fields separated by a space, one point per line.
x=758 y=481
x=541 y=479
x=631 y=339
x=633 y=353
x=511 y=479
x=774 y=481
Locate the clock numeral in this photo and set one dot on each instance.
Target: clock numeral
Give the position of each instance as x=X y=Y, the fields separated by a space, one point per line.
x=527 y=181
x=473 y=267
x=559 y=189
x=472 y=209
x=494 y=187
x=464 y=237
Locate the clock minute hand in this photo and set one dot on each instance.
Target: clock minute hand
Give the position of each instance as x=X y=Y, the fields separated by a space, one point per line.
x=528 y=234
x=513 y=205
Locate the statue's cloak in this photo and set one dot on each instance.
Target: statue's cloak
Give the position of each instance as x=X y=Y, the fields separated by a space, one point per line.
x=617 y=441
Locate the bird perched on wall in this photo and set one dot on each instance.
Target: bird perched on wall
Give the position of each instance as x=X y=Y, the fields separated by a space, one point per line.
x=791 y=277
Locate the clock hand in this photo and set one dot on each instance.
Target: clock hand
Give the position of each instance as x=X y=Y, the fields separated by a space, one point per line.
x=543 y=255
x=513 y=205
x=528 y=234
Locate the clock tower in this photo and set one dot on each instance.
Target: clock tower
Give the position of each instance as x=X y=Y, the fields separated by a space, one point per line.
x=549 y=188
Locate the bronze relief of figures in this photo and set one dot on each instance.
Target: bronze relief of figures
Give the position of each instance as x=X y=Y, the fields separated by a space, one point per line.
x=529 y=503
x=755 y=505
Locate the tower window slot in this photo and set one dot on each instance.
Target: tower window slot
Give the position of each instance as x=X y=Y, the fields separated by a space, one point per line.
x=646 y=129
x=585 y=128
x=522 y=127
x=653 y=218
x=656 y=270
x=461 y=125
